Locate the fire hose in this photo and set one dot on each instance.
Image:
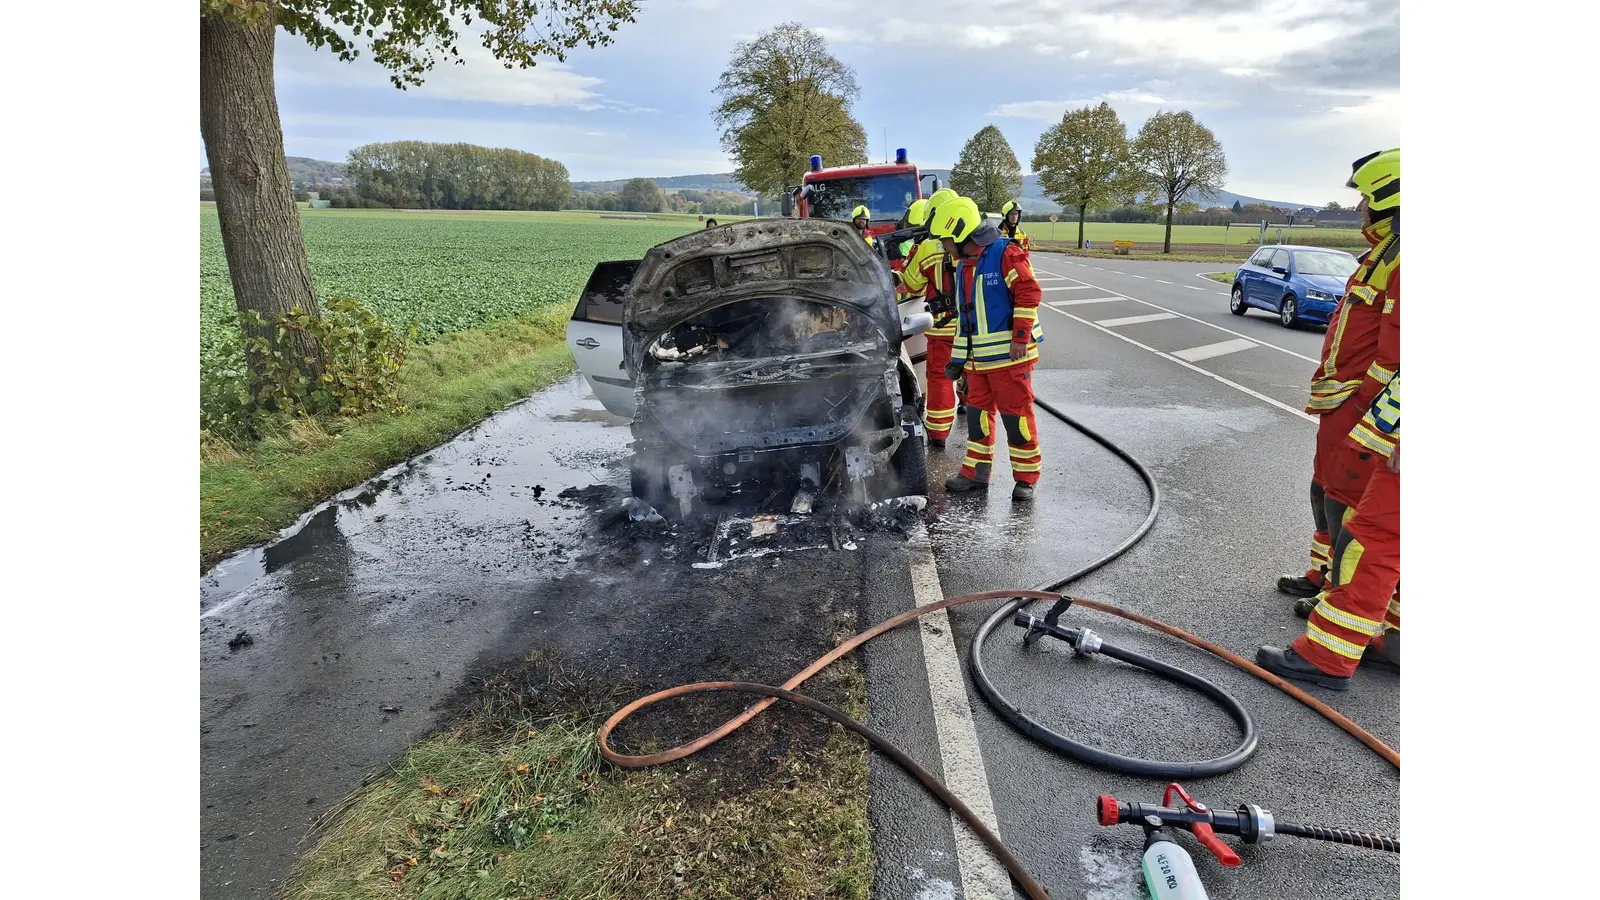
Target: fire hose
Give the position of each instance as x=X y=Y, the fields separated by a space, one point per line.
x=1017 y=601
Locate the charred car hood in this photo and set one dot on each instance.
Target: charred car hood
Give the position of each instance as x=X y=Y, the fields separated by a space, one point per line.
x=811 y=259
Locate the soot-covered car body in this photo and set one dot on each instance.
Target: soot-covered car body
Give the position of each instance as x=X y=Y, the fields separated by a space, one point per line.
x=770 y=351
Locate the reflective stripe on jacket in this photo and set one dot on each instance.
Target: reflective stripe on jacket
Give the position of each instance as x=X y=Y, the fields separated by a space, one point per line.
x=1379 y=429
x=924 y=275
x=998 y=301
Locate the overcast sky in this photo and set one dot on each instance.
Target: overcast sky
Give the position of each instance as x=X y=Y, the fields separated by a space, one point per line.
x=1294 y=89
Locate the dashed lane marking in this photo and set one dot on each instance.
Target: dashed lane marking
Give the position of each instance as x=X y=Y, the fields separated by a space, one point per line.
x=1066 y=287
x=1211 y=351
x=982 y=876
x=1135 y=320
x=1201 y=321
x=1191 y=366
x=1079 y=301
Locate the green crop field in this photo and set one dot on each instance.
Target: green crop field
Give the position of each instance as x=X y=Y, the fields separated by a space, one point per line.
x=451 y=270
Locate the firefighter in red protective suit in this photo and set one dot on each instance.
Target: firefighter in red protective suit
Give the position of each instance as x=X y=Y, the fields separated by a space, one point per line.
x=997 y=344
x=1011 y=224
x=1359 y=352
x=1361 y=609
x=925 y=275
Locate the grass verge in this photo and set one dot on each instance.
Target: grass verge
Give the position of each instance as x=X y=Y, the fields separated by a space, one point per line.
x=249 y=492
x=510 y=802
x=1224 y=277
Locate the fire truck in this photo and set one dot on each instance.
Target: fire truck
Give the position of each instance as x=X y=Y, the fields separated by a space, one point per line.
x=885 y=189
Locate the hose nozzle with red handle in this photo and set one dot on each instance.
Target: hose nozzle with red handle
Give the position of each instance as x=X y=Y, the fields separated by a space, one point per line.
x=1249 y=822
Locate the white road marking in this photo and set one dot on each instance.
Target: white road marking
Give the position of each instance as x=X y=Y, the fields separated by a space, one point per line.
x=982 y=876
x=1203 y=322
x=1210 y=351
x=1194 y=287
x=1162 y=281
x=1066 y=287
x=1079 y=301
x=1136 y=320
x=1131 y=275
x=1047 y=277
x=1189 y=365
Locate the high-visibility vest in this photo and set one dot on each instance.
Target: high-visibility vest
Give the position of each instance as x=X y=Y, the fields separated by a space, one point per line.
x=986 y=313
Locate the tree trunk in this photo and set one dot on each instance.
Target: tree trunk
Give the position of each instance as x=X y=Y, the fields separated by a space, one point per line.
x=1083 y=212
x=255 y=204
x=1166 y=246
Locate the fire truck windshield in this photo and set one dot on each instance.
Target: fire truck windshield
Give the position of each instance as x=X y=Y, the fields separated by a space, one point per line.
x=887 y=196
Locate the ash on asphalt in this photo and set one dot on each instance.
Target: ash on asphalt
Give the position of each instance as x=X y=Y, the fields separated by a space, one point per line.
x=388 y=608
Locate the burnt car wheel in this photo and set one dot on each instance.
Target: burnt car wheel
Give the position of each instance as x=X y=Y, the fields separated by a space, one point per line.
x=910 y=465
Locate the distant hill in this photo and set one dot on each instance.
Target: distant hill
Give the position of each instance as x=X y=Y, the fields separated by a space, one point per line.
x=303 y=172
x=1033 y=199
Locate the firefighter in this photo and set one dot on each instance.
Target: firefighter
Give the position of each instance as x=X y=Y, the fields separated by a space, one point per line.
x=916 y=216
x=996 y=346
x=1359 y=350
x=926 y=275
x=1359 y=615
x=1011 y=224
x=861 y=219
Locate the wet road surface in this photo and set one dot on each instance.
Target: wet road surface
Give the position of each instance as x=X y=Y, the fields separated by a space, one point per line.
x=469 y=558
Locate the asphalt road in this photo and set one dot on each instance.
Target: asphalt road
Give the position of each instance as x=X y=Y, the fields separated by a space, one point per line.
x=467 y=558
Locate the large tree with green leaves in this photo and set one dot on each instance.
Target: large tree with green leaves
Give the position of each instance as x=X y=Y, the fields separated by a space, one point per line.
x=1175 y=157
x=244 y=136
x=1083 y=160
x=987 y=170
x=643 y=195
x=784 y=98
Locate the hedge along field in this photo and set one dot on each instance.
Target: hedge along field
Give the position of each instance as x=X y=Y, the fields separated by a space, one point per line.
x=450 y=270
x=1151 y=232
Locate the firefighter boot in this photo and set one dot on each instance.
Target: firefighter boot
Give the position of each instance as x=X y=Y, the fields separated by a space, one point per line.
x=1384 y=651
x=1286 y=663
x=959 y=483
x=1021 y=491
x=1298 y=586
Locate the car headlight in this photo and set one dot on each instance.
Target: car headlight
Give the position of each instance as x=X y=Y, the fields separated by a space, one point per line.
x=1320 y=295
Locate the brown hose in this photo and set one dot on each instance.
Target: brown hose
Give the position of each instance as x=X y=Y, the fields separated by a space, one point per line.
x=1030 y=887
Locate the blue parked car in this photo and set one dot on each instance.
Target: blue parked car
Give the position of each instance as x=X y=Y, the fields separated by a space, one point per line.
x=1300 y=284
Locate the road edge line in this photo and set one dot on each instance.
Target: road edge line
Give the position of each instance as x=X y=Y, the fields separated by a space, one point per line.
x=960 y=757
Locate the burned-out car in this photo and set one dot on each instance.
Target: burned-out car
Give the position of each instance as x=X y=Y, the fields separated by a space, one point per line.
x=766 y=353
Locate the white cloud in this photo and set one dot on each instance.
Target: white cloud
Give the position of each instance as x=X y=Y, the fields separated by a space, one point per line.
x=1046 y=49
x=480 y=77
x=1081 y=54
x=1125 y=102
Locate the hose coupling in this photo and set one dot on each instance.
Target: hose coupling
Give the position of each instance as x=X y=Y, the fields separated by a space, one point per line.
x=1086 y=642
x=1255 y=824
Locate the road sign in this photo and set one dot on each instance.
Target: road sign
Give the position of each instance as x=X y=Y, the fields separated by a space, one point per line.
x=1052 y=218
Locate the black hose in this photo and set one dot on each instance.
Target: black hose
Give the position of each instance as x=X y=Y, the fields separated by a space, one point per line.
x=1095 y=756
x=1340 y=836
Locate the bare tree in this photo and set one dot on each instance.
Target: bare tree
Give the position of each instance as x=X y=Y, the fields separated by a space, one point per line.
x=1175 y=156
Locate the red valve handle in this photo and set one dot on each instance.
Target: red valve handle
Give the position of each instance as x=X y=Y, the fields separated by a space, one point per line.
x=1209 y=840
